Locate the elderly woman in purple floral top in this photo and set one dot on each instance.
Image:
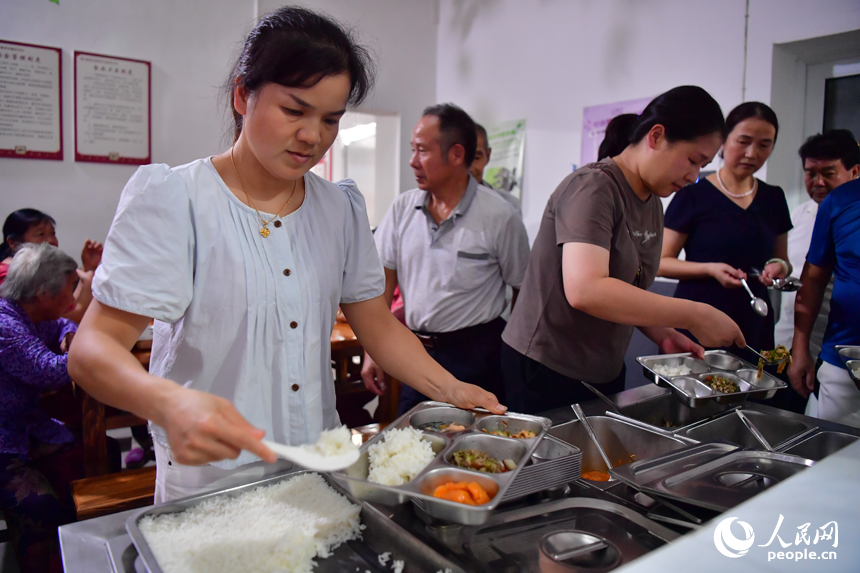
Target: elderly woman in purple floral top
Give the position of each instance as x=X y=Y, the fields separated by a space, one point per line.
x=34 y=340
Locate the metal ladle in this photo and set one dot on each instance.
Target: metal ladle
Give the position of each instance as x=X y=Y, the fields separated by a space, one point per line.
x=577 y=409
x=754 y=431
x=757 y=304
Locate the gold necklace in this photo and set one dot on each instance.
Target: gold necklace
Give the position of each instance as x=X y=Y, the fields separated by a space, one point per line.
x=264 y=231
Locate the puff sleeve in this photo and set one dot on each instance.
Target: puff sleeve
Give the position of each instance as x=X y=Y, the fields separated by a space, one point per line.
x=148 y=262
x=363 y=278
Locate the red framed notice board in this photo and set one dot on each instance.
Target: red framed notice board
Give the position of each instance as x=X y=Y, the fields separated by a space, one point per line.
x=113 y=109
x=31 y=101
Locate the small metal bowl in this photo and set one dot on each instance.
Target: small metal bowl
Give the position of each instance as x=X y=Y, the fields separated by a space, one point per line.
x=439 y=476
x=510 y=424
x=850 y=352
x=722 y=361
x=853 y=367
x=760 y=389
x=744 y=387
x=552 y=449
x=446 y=415
x=494 y=446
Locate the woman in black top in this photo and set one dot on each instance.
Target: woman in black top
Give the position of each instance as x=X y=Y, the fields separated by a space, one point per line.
x=730 y=223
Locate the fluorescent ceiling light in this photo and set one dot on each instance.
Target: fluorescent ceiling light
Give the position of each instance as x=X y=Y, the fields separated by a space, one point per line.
x=357 y=133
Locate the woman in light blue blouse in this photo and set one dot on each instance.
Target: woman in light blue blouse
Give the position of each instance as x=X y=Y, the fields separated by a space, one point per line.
x=242 y=259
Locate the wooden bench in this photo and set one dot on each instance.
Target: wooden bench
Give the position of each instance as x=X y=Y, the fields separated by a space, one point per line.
x=112 y=493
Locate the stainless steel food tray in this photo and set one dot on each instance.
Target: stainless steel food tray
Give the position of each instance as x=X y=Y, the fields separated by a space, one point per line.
x=380 y=534
x=850 y=356
x=440 y=470
x=714 y=475
x=693 y=391
x=577 y=534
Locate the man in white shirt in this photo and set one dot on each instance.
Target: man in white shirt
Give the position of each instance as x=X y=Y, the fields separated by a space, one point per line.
x=452 y=246
x=829 y=160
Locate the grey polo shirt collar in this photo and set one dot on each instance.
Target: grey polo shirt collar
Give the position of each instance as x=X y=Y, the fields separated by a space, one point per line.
x=462 y=207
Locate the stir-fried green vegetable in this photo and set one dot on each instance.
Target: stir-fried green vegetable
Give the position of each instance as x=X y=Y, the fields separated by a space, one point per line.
x=721 y=384
x=478 y=460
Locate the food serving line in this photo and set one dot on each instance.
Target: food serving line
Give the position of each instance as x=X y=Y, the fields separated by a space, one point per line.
x=683 y=454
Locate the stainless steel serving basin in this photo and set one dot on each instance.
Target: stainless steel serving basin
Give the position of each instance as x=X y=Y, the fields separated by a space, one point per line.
x=821 y=445
x=667 y=412
x=622 y=442
x=564 y=536
x=776 y=429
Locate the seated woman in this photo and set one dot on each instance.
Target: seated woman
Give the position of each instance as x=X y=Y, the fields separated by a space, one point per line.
x=34 y=339
x=32 y=226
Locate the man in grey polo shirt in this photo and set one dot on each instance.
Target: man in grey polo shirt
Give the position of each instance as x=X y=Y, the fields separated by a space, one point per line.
x=452 y=246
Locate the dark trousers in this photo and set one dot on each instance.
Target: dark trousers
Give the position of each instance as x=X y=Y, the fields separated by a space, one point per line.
x=533 y=388
x=35 y=501
x=470 y=355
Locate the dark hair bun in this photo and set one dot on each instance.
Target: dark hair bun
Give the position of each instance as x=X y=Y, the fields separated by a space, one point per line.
x=686 y=112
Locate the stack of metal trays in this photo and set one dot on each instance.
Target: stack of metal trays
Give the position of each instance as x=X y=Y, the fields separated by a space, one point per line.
x=850 y=355
x=554 y=463
x=379 y=535
x=689 y=377
x=715 y=475
x=473 y=429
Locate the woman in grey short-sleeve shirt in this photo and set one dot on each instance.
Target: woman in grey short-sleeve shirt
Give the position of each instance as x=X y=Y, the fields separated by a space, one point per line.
x=242 y=259
x=596 y=253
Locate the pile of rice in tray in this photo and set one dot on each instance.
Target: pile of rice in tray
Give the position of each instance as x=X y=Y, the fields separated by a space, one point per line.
x=399 y=457
x=280 y=527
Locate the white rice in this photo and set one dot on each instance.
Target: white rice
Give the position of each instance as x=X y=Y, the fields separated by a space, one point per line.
x=397 y=566
x=336 y=442
x=384 y=558
x=399 y=456
x=279 y=528
x=666 y=370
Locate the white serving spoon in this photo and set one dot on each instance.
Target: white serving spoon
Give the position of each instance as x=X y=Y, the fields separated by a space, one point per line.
x=312 y=460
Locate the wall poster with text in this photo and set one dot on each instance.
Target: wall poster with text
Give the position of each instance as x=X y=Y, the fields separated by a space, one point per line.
x=31 y=104
x=113 y=109
x=595 y=119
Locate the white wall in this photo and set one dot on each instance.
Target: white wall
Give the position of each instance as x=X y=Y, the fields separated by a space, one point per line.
x=545 y=60
x=190 y=45
x=402 y=35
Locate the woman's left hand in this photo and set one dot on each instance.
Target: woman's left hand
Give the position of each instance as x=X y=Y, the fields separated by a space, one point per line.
x=469 y=396
x=771 y=272
x=91 y=255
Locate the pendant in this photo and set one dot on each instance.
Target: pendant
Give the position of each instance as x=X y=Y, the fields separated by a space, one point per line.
x=265 y=231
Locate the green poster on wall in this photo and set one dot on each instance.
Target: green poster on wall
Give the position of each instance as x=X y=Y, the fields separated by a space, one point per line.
x=507 y=139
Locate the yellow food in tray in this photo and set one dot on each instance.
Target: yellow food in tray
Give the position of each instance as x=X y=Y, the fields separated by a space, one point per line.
x=468 y=493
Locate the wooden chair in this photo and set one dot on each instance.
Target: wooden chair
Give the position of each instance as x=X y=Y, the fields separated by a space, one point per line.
x=101 y=492
x=97 y=419
x=348 y=383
